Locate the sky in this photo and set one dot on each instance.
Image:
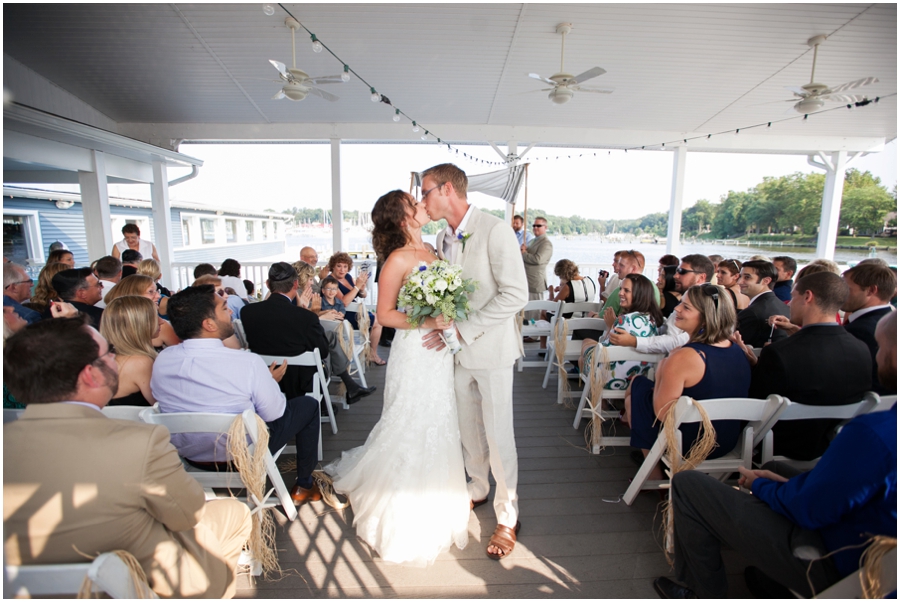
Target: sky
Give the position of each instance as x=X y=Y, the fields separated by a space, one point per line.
x=609 y=186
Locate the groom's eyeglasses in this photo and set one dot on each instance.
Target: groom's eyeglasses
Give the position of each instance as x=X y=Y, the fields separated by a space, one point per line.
x=429 y=191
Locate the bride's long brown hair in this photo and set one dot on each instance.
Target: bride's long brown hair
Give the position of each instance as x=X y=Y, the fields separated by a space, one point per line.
x=390 y=211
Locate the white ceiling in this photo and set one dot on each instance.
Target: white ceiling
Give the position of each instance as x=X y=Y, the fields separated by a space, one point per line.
x=201 y=70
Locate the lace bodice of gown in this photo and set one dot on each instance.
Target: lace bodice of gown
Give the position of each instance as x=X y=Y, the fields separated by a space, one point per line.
x=407 y=484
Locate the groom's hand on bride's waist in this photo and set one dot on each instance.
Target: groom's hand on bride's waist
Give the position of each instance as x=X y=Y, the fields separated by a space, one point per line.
x=433 y=340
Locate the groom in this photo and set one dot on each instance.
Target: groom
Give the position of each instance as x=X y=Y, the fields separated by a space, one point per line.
x=488 y=252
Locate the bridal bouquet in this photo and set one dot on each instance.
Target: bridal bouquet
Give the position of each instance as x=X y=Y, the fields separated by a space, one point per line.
x=434 y=290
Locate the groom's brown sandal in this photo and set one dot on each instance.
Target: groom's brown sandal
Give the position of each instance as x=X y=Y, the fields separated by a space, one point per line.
x=474 y=504
x=504 y=538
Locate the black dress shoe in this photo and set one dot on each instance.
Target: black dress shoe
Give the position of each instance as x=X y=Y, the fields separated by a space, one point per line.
x=359 y=394
x=668 y=589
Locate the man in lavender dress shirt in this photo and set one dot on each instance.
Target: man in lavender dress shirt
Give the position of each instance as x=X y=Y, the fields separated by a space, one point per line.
x=202 y=375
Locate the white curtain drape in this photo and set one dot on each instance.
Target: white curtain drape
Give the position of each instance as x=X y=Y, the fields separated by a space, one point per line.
x=504 y=184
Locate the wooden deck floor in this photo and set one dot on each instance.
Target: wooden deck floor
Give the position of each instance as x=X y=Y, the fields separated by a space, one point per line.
x=573 y=543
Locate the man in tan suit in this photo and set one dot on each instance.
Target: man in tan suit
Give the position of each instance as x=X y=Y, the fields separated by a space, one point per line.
x=488 y=252
x=77 y=483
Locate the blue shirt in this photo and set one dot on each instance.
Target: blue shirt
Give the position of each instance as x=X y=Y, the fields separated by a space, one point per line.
x=782 y=290
x=520 y=235
x=851 y=493
x=337 y=305
x=29 y=315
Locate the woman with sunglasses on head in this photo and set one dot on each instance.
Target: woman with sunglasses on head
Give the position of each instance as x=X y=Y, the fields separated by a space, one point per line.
x=709 y=366
x=728 y=272
x=145 y=286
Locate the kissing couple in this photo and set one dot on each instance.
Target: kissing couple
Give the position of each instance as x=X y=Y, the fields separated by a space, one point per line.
x=444 y=415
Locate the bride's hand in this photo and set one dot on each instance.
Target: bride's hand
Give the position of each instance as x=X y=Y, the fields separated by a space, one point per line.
x=442 y=323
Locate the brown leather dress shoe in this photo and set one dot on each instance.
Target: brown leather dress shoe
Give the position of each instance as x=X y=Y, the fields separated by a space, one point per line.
x=301 y=495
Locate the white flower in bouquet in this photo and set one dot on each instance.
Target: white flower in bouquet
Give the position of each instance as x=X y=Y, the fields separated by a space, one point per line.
x=435 y=290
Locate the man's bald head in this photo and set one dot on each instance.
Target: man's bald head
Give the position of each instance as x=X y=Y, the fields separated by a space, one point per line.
x=886 y=337
x=309 y=255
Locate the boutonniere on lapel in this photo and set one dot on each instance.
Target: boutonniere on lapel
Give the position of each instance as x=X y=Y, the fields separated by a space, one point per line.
x=463 y=237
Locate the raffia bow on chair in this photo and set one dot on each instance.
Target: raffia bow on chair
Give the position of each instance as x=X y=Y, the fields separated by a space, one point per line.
x=697 y=454
x=597 y=379
x=346 y=344
x=362 y=320
x=252 y=470
x=560 y=336
x=138 y=578
x=870 y=566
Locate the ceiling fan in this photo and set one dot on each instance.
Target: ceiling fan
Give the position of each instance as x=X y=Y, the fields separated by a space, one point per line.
x=565 y=84
x=297 y=84
x=813 y=95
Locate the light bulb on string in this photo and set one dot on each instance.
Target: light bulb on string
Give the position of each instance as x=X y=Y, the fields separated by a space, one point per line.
x=376 y=97
x=268 y=9
x=415 y=127
x=396 y=116
x=316 y=44
x=345 y=76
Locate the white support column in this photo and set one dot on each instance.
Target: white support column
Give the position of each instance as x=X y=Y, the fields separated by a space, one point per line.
x=162 y=220
x=337 y=212
x=95 y=205
x=673 y=239
x=831 y=201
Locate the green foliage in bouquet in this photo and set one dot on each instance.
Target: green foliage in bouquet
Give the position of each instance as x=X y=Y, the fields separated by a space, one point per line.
x=434 y=290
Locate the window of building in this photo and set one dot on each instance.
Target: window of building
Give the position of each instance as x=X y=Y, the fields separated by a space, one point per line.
x=186 y=232
x=265 y=230
x=208 y=231
x=248 y=231
x=231 y=230
x=15 y=246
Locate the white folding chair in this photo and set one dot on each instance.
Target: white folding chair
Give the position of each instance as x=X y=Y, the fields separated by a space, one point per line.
x=572 y=350
x=885 y=402
x=600 y=414
x=107 y=571
x=579 y=307
x=206 y=422
x=11 y=414
x=240 y=333
x=757 y=412
x=539 y=329
x=850 y=587
x=357 y=346
x=792 y=410
x=132 y=413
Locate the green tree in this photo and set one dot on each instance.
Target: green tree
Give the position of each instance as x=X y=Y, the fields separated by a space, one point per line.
x=865 y=209
x=698 y=217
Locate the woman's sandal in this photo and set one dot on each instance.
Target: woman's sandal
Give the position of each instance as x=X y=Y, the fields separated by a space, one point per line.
x=377 y=362
x=503 y=538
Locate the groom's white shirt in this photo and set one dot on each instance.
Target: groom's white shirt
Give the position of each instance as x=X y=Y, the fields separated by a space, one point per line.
x=451 y=247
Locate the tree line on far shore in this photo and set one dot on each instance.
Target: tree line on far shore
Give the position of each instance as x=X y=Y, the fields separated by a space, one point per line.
x=789 y=204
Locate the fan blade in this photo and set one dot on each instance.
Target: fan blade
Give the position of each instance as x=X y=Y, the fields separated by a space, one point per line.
x=589 y=74
x=596 y=90
x=543 y=79
x=323 y=94
x=281 y=69
x=843 y=99
x=797 y=90
x=855 y=84
x=279 y=95
x=326 y=79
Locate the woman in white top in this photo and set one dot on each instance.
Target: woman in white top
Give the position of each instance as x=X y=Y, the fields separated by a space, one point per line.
x=134 y=242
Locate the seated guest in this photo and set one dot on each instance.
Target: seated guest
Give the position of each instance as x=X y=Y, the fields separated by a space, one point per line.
x=80 y=288
x=709 y=366
x=132 y=241
x=108 y=271
x=819 y=265
x=330 y=295
x=821 y=365
x=235 y=303
x=277 y=326
x=130 y=262
x=62 y=256
x=573 y=287
x=149 y=267
x=630 y=262
x=16 y=290
x=757 y=280
x=871 y=288
x=202 y=375
x=831 y=511
x=130 y=324
x=786 y=268
x=694 y=269
x=607 y=287
x=251 y=290
x=143 y=286
x=76 y=482
x=339 y=266
x=640 y=318
x=728 y=274
x=230 y=273
x=715 y=259
x=310 y=256
x=665 y=283
x=205 y=269
x=43 y=291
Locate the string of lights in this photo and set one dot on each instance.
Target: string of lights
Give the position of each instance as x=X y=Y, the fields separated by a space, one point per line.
x=318 y=45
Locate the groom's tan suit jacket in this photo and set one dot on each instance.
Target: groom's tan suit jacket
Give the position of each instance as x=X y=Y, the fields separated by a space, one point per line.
x=492 y=257
x=77 y=481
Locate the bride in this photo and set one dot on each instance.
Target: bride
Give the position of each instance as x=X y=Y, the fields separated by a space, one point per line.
x=407 y=483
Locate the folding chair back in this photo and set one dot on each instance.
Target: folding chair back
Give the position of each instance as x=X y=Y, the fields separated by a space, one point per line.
x=885 y=402
x=850 y=587
x=579 y=309
x=132 y=413
x=206 y=422
x=537 y=330
x=240 y=334
x=756 y=412
x=356 y=351
x=11 y=414
x=107 y=571
x=572 y=349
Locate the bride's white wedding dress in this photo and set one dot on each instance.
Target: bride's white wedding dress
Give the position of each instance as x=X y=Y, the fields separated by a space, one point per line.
x=407 y=483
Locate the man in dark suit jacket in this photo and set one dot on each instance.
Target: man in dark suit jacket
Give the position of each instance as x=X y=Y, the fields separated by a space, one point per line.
x=756 y=281
x=871 y=288
x=277 y=326
x=81 y=288
x=821 y=364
